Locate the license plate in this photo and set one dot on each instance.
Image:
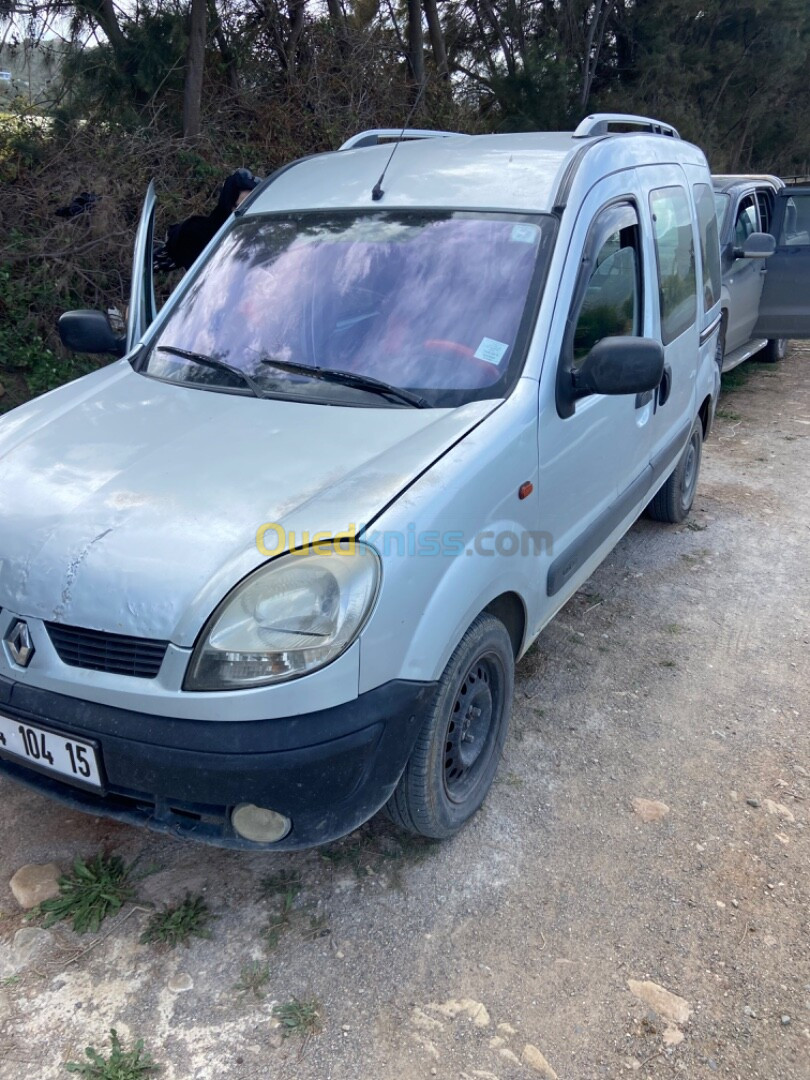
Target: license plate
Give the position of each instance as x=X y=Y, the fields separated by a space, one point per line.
x=45 y=750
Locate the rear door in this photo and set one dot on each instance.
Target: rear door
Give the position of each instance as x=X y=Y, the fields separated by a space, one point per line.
x=784 y=308
x=142 y=307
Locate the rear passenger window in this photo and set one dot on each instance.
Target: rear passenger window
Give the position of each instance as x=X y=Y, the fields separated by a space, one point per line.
x=612 y=303
x=709 y=245
x=796 y=227
x=675 y=252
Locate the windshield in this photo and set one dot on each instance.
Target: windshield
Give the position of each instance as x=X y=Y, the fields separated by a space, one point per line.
x=434 y=303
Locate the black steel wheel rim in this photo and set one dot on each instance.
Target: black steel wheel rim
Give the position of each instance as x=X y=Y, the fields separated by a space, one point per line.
x=472 y=729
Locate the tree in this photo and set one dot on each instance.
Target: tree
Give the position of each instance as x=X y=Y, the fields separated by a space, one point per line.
x=195 y=68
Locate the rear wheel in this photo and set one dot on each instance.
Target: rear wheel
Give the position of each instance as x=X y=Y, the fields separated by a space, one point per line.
x=459 y=747
x=674 y=501
x=774 y=351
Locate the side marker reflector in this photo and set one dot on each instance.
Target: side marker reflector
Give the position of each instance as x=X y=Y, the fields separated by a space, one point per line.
x=525 y=489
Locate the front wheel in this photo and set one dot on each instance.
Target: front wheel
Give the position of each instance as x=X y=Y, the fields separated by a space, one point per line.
x=774 y=351
x=459 y=747
x=674 y=501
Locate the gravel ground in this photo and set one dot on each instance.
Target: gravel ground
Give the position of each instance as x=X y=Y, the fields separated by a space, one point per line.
x=679 y=674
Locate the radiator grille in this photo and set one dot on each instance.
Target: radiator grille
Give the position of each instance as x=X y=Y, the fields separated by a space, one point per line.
x=114 y=653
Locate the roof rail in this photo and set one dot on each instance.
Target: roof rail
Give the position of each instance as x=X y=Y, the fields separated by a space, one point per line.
x=616 y=123
x=375 y=136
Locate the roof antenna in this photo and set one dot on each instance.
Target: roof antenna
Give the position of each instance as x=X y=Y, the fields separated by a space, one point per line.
x=377 y=191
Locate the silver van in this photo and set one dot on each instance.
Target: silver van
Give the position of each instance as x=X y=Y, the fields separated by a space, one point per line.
x=271 y=570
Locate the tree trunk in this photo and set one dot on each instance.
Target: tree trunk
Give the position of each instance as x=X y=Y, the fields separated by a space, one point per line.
x=195 y=65
x=225 y=51
x=416 y=44
x=436 y=38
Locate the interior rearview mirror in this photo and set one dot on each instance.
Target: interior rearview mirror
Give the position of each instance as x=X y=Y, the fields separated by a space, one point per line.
x=620 y=365
x=90 y=332
x=758 y=245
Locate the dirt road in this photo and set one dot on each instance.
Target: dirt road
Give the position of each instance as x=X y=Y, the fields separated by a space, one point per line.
x=679 y=674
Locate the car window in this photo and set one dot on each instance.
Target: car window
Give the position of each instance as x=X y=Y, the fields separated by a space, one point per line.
x=721 y=203
x=675 y=255
x=796 y=226
x=746 y=221
x=765 y=204
x=709 y=245
x=433 y=302
x=612 y=303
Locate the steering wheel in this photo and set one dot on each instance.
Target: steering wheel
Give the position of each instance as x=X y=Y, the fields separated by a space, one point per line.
x=444 y=345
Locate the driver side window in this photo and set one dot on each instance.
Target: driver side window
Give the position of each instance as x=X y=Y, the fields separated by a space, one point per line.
x=612 y=303
x=746 y=222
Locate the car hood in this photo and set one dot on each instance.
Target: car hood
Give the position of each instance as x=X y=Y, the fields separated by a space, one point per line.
x=132 y=506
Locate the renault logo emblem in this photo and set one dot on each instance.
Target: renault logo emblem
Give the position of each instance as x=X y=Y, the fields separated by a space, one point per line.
x=20 y=645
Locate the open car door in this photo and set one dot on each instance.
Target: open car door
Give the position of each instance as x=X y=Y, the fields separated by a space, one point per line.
x=784 y=308
x=142 y=308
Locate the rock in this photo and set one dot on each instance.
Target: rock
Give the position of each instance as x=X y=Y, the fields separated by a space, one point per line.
x=750 y=1012
x=535 y=1060
x=782 y=838
x=476 y=1010
x=28 y=945
x=482 y=1074
x=779 y=810
x=650 y=809
x=34 y=883
x=672 y=1035
x=668 y=1005
x=180 y=983
x=496 y=1042
x=506 y=1029
x=508 y=1055
x=753 y=802
x=784 y=1020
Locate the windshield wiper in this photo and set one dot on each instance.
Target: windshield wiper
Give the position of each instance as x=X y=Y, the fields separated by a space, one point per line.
x=348 y=378
x=217 y=365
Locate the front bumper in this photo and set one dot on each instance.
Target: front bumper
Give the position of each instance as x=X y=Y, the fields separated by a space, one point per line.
x=328 y=771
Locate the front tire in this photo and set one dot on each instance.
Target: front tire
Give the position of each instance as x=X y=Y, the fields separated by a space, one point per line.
x=774 y=351
x=674 y=501
x=459 y=747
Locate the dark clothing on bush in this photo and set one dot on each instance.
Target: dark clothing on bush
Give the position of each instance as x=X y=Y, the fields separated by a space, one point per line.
x=188 y=238
x=80 y=204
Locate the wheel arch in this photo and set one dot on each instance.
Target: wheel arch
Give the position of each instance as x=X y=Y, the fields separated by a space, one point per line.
x=510 y=609
x=706 y=414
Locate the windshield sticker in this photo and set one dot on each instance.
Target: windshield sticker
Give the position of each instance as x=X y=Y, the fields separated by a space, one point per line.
x=491 y=351
x=524 y=234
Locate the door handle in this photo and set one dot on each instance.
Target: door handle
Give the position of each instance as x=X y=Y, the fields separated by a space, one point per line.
x=664 y=387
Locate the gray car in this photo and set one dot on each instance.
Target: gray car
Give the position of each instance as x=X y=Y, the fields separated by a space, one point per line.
x=745 y=207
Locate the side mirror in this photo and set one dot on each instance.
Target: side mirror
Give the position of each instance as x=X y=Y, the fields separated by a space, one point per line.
x=759 y=245
x=620 y=365
x=90 y=332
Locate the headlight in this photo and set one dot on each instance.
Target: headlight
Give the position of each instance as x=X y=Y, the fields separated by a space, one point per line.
x=288 y=618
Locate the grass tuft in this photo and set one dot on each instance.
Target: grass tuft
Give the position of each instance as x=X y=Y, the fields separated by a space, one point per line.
x=120 y=1065
x=93 y=891
x=301 y=1018
x=253 y=980
x=177 y=924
